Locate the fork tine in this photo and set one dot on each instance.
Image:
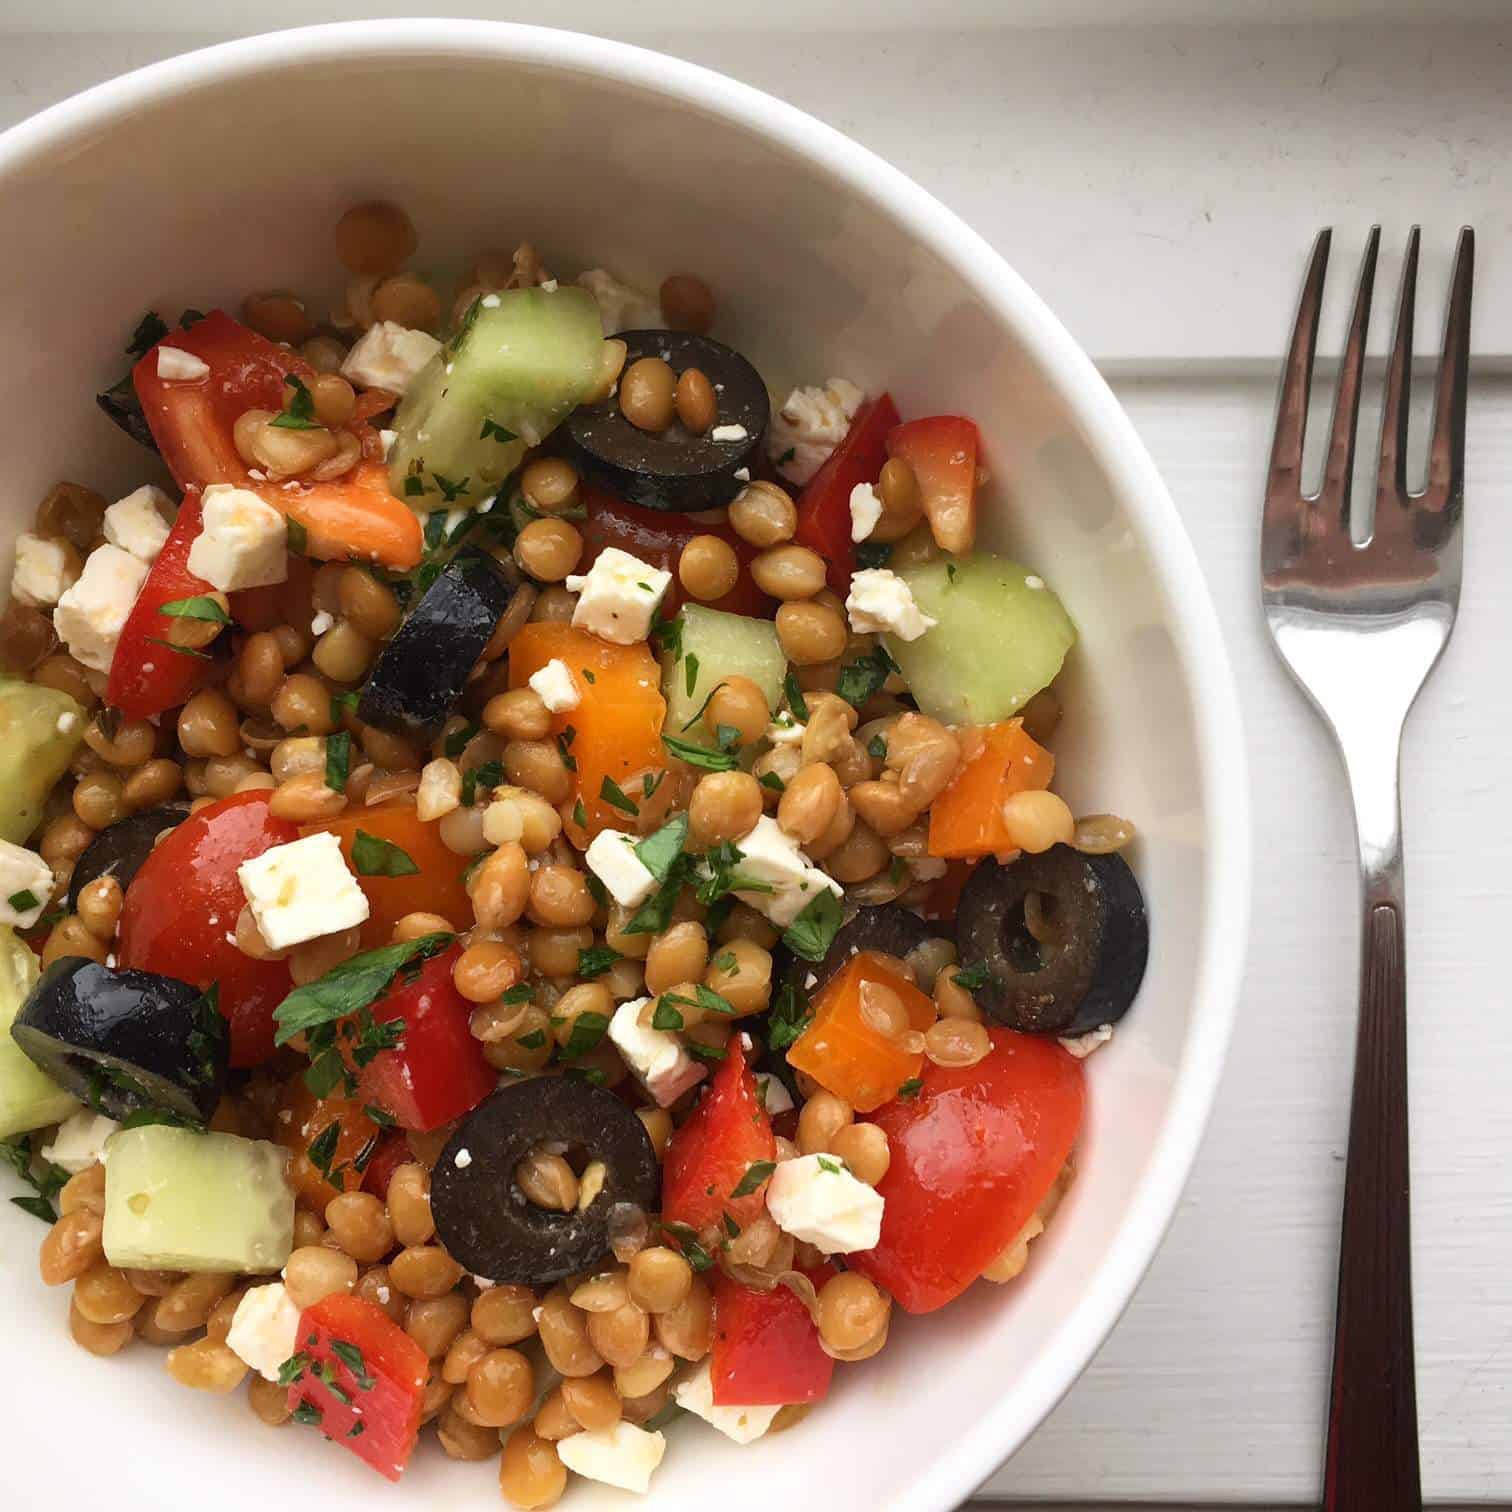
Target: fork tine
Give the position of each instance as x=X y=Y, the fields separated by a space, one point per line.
x=1338 y=470
x=1391 y=477
x=1446 y=450
x=1284 y=505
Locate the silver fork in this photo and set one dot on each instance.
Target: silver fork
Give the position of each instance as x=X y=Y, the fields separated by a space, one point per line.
x=1360 y=627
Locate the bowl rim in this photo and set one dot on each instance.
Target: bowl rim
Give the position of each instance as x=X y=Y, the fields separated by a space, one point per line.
x=1001 y=1428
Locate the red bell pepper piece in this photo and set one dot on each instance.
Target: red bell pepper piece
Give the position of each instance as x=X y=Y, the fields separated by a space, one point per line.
x=824 y=517
x=942 y=450
x=393 y=1151
x=361 y=1381
x=179 y=916
x=657 y=537
x=147 y=674
x=711 y=1154
x=766 y=1349
x=437 y=1072
x=973 y=1155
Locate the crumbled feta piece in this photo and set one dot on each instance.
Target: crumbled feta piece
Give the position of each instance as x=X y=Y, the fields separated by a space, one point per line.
x=695 y=1394
x=927 y=868
x=728 y=433
x=624 y=1455
x=264 y=1329
x=784 y=905
x=80 y=1141
x=880 y=600
x=302 y=890
x=554 y=682
x=91 y=613
x=611 y=858
x=139 y=522
x=321 y=621
x=43 y=572
x=621 y=308
x=814 y=1198
x=243 y=542
x=742 y=474
x=389 y=356
x=810 y=425
x=774 y=1097
x=26 y=883
x=491 y=301
x=1033 y=581
x=386 y=439
x=178 y=366
x=1082 y=1045
x=462 y=1159
x=865 y=511
x=769 y=854
x=618 y=596
x=656 y=1058
x=785 y=730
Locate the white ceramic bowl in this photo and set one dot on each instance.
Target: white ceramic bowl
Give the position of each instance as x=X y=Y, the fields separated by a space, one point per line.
x=199 y=179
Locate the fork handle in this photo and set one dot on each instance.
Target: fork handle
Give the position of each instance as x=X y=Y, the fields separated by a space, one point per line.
x=1372 y=1462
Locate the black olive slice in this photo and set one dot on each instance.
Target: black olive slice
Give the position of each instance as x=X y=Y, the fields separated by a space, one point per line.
x=675 y=469
x=1086 y=970
x=123 y=1040
x=888 y=927
x=423 y=669
x=119 y=849
x=488 y=1224
x=122 y=405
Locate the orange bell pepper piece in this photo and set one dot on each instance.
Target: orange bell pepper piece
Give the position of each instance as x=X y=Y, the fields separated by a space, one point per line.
x=436 y=888
x=845 y=1053
x=356 y=517
x=617 y=724
x=308 y=1118
x=967 y=818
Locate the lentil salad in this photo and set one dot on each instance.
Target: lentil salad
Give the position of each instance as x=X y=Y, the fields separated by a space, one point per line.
x=523 y=865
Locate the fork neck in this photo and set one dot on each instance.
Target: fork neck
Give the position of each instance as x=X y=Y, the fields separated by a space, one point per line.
x=1373 y=765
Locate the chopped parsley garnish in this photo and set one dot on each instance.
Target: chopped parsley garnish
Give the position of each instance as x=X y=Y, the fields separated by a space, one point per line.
x=200 y=607
x=698 y=712
x=833 y=1166
x=710 y=1053
x=668 y=634
x=322 y=1149
x=564 y=749
x=523 y=993
x=414 y=486
x=587 y=1030
x=380 y=1116
x=877 y=747
x=665 y=1016
x=489 y=775
x=662 y=847
x=693 y=1252
x=351 y=1357
x=532 y=1041
x=795 y=697
x=450 y=491
x=354 y=984
x=307 y=1413
x=789 y=1017
x=587 y=675
x=773 y=781
x=357 y=1430
x=612 y=793
x=343 y=703
x=690 y=673
x=951 y=571
x=726 y=737
x=812 y=933
x=338 y=760
x=299 y=413
x=697 y=756
x=580 y=815
x=973 y=976
x=650 y=781
x=374 y=857
x=293 y=1368
x=497 y=431
x=157 y=640
x=24 y=901
x=456 y=742
x=756 y=1173
x=787 y=456
x=596 y=960
x=299 y=537
x=864 y=676
x=45 y=1179
x=911 y=1088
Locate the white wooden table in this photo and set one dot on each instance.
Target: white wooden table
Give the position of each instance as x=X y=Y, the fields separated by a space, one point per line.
x=1159 y=185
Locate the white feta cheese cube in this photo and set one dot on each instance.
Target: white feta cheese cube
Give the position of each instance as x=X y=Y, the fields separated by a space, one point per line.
x=264 y=1329
x=611 y=858
x=618 y=595
x=243 y=543
x=787 y=902
x=695 y=1394
x=556 y=685
x=80 y=1141
x=814 y=1198
x=321 y=621
x=728 y=433
x=775 y=1097
x=1082 y=1045
x=624 y=1455
x=810 y=425
x=621 y=308
x=301 y=891
x=388 y=356
x=90 y=614
x=865 y=511
x=178 y=366
x=784 y=730
x=656 y=1058
x=386 y=439
x=770 y=854
x=43 y=573
x=881 y=601
x=26 y=883
x=139 y=522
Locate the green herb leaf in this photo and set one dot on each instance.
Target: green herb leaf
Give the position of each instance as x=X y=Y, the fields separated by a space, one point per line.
x=523 y=993
x=338 y=762
x=596 y=960
x=323 y=1148
x=489 y=775
x=812 y=933
x=795 y=697
x=456 y=742
x=300 y=414
x=863 y=677
x=293 y=1368
x=951 y=571
x=612 y=793
x=787 y=456
x=711 y=1053
x=580 y=815
x=299 y=537
x=590 y=1074
x=789 y=1017
x=354 y=984
x=380 y=1116
x=973 y=976
x=873 y=554
x=532 y=1041
x=911 y=1088
x=435 y=530
x=307 y=1413
x=660 y=849
x=773 y=781
x=497 y=431
x=693 y=1252
x=200 y=607
x=726 y=737
x=666 y=1017
x=414 y=486
x=834 y=1167
x=876 y=747
x=357 y=1429
x=343 y=703
x=351 y=1357
x=725 y=961
x=564 y=749
x=450 y=491
x=698 y=712
x=653 y=916
x=24 y=901
x=697 y=756
x=373 y=857
x=668 y=634
x=45 y=1179
x=587 y=1030
x=690 y=673
x=756 y=1173
x=157 y=640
